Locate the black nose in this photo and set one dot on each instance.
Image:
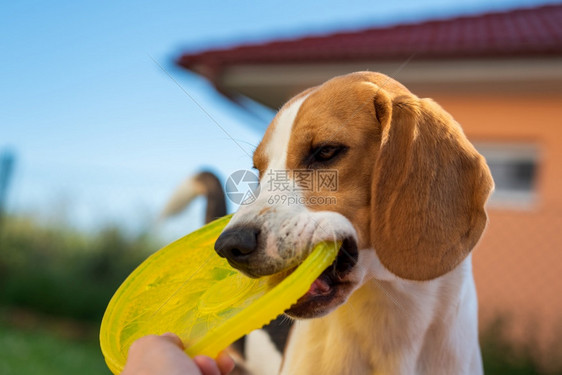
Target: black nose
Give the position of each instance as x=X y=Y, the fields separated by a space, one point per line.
x=237 y=244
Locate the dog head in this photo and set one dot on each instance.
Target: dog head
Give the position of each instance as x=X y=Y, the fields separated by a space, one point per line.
x=362 y=160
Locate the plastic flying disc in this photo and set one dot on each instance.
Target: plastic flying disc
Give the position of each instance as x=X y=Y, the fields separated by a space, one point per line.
x=187 y=289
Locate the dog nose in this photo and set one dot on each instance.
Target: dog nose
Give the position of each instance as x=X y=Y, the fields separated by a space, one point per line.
x=237 y=244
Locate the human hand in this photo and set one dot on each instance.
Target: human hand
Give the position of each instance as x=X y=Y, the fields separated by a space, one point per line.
x=164 y=355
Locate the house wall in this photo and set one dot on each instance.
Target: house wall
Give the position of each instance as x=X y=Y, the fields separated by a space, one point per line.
x=518 y=263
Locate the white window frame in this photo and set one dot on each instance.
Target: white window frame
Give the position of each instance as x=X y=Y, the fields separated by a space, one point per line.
x=512 y=152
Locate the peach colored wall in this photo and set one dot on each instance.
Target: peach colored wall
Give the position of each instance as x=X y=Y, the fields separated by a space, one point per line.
x=518 y=263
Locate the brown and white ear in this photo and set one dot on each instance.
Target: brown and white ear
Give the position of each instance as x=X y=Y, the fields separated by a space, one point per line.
x=429 y=190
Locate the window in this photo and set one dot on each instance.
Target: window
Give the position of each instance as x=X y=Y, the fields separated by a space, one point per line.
x=514 y=169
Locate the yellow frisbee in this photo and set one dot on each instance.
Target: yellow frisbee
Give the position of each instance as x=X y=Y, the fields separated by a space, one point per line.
x=187 y=289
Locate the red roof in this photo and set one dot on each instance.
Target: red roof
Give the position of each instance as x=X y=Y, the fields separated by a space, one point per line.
x=516 y=33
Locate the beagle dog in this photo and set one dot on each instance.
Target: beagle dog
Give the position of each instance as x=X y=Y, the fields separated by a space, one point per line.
x=408 y=208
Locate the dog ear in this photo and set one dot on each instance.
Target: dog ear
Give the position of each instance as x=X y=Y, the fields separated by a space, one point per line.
x=428 y=192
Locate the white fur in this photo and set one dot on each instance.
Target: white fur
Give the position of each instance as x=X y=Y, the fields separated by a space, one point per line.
x=262 y=356
x=394 y=327
x=277 y=150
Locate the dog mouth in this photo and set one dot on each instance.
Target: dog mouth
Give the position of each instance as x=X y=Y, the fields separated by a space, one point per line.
x=328 y=286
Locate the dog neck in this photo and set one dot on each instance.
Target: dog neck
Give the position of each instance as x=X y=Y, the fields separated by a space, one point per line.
x=394 y=326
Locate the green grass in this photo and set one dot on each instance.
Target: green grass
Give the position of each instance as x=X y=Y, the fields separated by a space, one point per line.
x=503 y=356
x=45 y=353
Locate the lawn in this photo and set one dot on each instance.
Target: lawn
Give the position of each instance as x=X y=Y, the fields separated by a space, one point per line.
x=26 y=351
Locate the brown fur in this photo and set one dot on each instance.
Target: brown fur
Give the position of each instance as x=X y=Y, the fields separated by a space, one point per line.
x=412 y=185
x=429 y=190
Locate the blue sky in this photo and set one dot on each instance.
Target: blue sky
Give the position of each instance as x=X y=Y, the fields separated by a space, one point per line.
x=101 y=134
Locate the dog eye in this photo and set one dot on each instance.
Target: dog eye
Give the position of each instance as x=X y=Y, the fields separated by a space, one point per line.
x=327 y=152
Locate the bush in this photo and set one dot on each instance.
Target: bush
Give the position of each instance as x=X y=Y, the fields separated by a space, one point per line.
x=58 y=270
